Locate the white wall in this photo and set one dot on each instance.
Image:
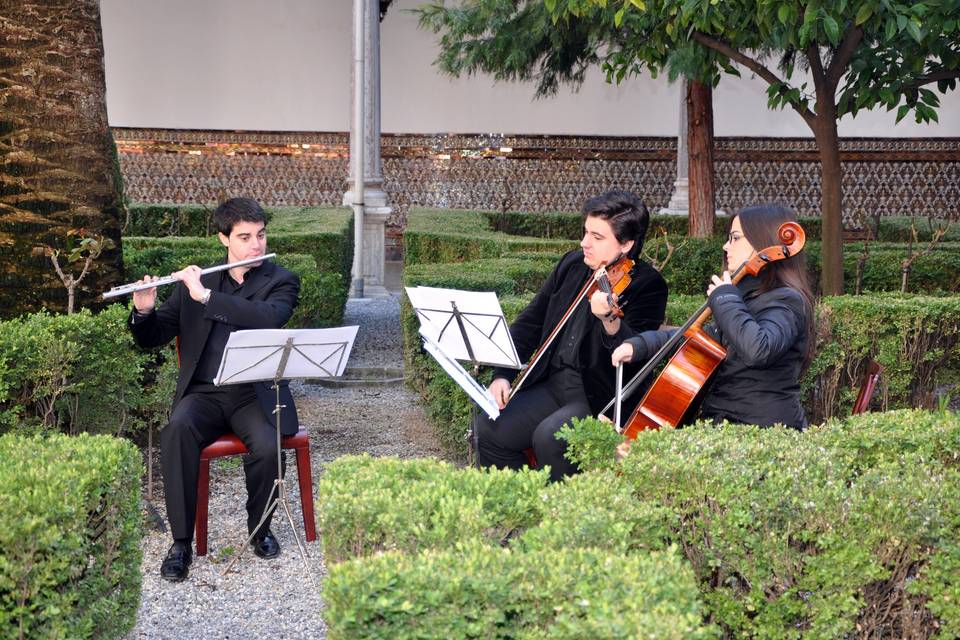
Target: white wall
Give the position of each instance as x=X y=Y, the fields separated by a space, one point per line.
x=284 y=65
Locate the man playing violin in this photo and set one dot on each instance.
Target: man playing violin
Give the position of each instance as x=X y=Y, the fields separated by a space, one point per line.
x=201 y=312
x=572 y=377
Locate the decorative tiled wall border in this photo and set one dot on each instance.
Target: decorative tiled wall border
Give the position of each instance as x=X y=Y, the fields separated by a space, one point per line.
x=534 y=173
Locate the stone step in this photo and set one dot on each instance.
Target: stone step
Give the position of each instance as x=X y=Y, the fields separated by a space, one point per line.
x=361 y=377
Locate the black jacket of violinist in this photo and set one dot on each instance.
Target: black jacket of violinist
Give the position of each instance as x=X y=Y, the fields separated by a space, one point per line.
x=764 y=333
x=573 y=378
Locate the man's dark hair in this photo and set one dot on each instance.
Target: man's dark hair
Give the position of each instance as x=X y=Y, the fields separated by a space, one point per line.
x=625 y=213
x=235 y=210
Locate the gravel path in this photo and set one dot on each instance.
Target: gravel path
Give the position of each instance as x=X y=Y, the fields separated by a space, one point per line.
x=276 y=598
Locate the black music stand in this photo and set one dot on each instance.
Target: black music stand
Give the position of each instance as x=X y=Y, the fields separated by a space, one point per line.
x=275 y=355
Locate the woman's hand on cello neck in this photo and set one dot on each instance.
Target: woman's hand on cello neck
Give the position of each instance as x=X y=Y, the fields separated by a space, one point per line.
x=716 y=281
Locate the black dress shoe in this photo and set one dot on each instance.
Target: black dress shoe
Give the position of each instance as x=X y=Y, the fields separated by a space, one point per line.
x=176 y=565
x=265 y=545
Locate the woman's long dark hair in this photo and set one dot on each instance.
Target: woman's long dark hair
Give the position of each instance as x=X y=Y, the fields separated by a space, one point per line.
x=760 y=224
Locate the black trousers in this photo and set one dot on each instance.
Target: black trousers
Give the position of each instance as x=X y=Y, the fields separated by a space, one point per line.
x=531 y=420
x=203 y=414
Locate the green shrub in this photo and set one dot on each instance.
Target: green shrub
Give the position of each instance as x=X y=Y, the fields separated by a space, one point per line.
x=70 y=534
x=845 y=530
x=788 y=532
x=450 y=236
x=504 y=276
x=322 y=295
x=438 y=235
x=160 y=220
x=569 y=225
x=480 y=592
x=74 y=373
x=914 y=338
x=597 y=511
x=368 y=505
x=898 y=229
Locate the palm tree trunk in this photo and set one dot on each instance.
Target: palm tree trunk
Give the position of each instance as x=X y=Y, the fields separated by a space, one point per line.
x=59 y=178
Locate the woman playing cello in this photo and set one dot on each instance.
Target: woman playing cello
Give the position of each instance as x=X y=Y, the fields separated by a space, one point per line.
x=765 y=322
x=576 y=332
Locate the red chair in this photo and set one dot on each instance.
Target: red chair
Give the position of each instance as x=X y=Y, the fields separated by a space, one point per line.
x=531 y=458
x=231 y=445
x=870 y=379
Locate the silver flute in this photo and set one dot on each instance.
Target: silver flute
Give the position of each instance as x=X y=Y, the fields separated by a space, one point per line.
x=139 y=286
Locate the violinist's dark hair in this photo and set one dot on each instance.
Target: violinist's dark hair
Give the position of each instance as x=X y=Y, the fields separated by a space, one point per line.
x=235 y=210
x=625 y=213
x=760 y=224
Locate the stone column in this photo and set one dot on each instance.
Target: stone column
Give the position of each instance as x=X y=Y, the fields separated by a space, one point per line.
x=680 y=201
x=376 y=209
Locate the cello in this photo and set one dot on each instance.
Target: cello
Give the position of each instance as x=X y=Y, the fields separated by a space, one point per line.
x=673 y=394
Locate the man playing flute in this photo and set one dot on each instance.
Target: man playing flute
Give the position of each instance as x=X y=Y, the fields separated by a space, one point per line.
x=202 y=311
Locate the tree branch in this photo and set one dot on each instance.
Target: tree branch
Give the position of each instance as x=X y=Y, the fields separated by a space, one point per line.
x=753 y=65
x=816 y=66
x=936 y=76
x=851 y=40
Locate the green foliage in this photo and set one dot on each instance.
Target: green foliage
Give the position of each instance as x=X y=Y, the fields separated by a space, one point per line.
x=434 y=235
x=70 y=534
x=323 y=295
x=497 y=593
x=914 y=338
x=169 y=220
x=816 y=535
x=466 y=241
x=792 y=531
x=74 y=373
x=512 y=41
x=592 y=443
x=505 y=276
x=368 y=505
x=597 y=510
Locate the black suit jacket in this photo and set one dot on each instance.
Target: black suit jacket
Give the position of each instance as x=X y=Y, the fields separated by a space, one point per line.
x=644 y=302
x=267 y=301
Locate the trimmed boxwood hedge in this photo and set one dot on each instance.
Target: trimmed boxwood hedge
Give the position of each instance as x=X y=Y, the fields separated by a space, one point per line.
x=56 y=370
x=568 y=594
x=443 y=236
x=568 y=225
x=70 y=534
x=849 y=529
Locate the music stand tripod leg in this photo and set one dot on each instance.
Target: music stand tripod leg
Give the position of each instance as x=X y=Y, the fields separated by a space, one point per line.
x=280 y=489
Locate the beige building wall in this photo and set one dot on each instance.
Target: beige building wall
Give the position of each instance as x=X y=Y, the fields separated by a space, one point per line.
x=284 y=65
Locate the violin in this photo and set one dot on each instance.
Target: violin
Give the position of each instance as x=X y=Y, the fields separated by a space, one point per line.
x=612 y=279
x=671 y=396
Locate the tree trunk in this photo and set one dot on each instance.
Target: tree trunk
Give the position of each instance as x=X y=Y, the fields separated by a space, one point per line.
x=703 y=206
x=831 y=198
x=59 y=177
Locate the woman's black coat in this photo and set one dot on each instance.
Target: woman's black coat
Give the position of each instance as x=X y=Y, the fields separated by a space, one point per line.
x=644 y=302
x=765 y=335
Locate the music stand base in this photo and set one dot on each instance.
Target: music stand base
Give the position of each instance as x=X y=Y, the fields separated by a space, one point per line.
x=280 y=490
